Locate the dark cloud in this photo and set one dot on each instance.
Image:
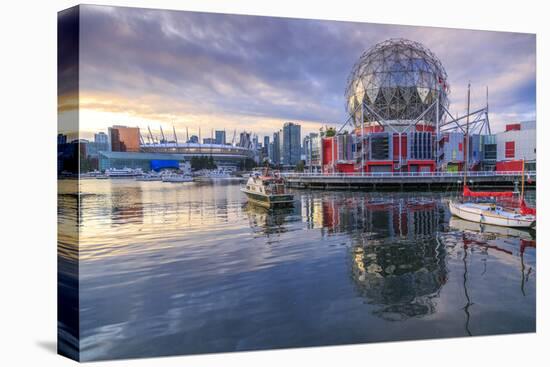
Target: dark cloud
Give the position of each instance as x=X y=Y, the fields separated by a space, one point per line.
x=280 y=68
x=67 y=51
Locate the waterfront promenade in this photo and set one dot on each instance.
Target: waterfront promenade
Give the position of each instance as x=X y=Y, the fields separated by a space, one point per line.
x=407 y=180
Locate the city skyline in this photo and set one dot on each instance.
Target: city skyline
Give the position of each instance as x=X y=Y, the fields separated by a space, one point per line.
x=194 y=70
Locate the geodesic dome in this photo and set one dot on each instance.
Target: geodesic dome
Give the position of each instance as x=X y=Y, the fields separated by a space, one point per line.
x=398 y=80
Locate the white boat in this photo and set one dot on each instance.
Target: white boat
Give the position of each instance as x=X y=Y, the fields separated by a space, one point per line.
x=175 y=177
x=122 y=173
x=215 y=175
x=91 y=174
x=151 y=176
x=488 y=213
x=267 y=190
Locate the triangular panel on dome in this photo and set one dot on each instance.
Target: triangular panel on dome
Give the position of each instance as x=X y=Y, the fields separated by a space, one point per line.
x=359 y=91
x=372 y=93
x=406 y=93
x=351 y=103
x=423 y=93
x=388 y=94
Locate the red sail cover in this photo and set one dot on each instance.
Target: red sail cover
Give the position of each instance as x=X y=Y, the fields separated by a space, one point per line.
x=525 y=210
x=483 y=194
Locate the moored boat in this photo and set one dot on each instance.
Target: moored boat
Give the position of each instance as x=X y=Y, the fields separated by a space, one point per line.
x=489 y=213
x=121 y=173
x=267 y=190
x=486 y=211
x=175 y=177
x=151 y=176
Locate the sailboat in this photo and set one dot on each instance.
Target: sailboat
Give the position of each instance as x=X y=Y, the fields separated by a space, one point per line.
x=489 y=212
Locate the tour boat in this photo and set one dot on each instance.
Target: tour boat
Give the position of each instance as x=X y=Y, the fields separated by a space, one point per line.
x=122 y=173
x=175 y=177
x=267 y=190
x=152 y=176
x=216 y=175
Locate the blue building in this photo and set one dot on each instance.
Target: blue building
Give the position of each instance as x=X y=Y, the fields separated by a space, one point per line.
x=276 y=151
x=220 y=137
x=291 y=144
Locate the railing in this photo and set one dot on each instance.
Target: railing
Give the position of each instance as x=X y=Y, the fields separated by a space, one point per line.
x=528 y=174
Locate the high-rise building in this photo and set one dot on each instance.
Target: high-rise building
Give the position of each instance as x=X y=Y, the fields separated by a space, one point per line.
x=312 y=151
x=270 y=152
x=220 y=137
x=255 y=142
x=291 y=144
x=244 y=140
x=276 y=148
x=124 y=139
x=265 y=148
x=101 y=142
x=101 y=137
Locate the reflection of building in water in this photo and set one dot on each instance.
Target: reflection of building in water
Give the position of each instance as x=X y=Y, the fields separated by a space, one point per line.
x=400 y=217
x=397 y=264
x=312 y=207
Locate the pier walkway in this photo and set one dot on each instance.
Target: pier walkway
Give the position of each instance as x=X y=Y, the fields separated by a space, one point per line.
x=407 y=180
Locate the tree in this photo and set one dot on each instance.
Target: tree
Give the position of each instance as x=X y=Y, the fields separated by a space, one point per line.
x=247 y=164
x=330 y=132
x=202 y=162
x=300 y=166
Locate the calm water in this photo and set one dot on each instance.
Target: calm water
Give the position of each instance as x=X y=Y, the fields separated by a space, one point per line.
x=190 y=268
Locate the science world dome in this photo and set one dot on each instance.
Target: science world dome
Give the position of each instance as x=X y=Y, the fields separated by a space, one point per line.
x=398 y=80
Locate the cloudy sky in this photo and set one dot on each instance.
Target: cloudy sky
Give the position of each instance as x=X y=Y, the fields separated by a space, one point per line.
x=150 y=67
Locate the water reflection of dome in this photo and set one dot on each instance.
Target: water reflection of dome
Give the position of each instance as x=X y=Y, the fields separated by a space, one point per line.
x=401 y=277
x=396 y=262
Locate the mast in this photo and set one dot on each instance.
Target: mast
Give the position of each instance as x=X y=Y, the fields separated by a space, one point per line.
x=466 y=141
x=522 y=177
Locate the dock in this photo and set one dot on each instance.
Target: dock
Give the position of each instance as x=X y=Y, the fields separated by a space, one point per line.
x=408 y=180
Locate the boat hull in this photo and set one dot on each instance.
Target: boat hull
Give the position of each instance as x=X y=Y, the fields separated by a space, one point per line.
x=479 y=215
x=177 y=180
x=269 y=201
